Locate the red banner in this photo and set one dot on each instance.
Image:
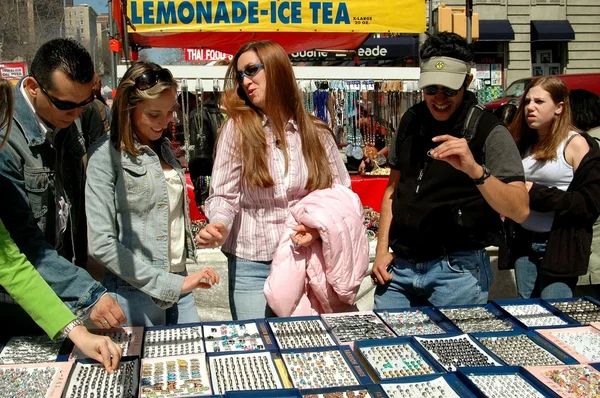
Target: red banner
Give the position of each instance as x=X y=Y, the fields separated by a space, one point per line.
x=204 y=54
x=13 y=70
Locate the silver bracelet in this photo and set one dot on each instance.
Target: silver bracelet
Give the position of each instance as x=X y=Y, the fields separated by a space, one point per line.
x=70 y=326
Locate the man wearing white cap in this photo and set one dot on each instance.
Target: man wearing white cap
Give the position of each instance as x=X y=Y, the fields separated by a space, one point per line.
x=455 y=170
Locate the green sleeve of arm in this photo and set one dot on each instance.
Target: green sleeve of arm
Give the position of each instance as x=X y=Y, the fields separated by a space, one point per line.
x=29 y=290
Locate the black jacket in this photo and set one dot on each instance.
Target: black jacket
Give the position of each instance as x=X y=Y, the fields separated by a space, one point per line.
x=569 y=242
x=203 y=135
x=436 y=208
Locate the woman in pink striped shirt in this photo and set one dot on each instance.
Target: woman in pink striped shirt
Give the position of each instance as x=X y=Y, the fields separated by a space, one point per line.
x=270 y=154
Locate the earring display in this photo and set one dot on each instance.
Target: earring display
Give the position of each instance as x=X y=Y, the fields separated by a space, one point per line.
x=438 y=387
x=533 y=315
x=34 y=380
x=411 y=323
x=30 y=349
x=301 y=334
x=397 y=360
x=582 y=310
x=248 y=371
x=173 y=342
x=318 y=369
x=349 y=327
x=476 y=319
x=90 y=380
x=505 y=385
x=519 y=350
x=581 y=381
x=582 y=343
x=232 y=337
x=175 y=377
x=128 y=338
x=456 y=351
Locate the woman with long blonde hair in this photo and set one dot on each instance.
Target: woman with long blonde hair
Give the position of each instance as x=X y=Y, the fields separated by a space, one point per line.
x=562 y=168
x=270 y=154
x=137 y=205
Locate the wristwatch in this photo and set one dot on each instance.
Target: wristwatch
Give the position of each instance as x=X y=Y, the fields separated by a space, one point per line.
x=486 y=174
x=70 y=326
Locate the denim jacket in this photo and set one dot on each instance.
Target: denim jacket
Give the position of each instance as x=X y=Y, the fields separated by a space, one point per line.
x=128 y=218
x=29 y=166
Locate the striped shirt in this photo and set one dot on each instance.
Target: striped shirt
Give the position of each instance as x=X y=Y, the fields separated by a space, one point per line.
x=255 y=216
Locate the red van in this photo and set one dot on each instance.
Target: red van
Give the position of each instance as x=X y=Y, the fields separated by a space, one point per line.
x=588 y=81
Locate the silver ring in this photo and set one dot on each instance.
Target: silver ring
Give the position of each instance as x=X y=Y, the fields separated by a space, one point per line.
x=105 y=323
x=295 y=244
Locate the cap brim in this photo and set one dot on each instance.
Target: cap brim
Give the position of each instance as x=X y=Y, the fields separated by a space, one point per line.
x=446 y=79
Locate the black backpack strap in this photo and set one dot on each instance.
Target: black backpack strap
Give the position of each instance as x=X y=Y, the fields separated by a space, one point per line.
x=472 y=121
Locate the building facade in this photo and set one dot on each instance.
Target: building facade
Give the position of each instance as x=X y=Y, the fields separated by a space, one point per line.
x=521 y=38
x=80 y=25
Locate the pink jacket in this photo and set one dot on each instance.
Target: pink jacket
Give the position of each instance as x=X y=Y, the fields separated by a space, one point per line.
x=325 y=276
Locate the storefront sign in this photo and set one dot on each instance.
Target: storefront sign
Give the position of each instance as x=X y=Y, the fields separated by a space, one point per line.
x=204 y=54
x=13 y=70
x=373 y=48
x=397 y=16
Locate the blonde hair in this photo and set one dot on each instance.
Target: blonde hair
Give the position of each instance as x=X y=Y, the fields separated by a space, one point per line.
x=282 y=100
x=7 y=105
x=128 y=98
x=526 y=137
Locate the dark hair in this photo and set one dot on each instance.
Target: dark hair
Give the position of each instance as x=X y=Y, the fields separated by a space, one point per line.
x=65 y=55
x=7 y=104
x=507 y=112
x=585 y=109
x=446 y=44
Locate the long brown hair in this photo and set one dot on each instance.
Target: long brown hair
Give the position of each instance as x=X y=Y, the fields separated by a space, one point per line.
x=128 y=97
x=282 y=100
x=525 y=136
x=7 y=105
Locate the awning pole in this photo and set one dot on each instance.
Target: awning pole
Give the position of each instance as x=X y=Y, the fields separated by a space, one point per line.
x=113 y=55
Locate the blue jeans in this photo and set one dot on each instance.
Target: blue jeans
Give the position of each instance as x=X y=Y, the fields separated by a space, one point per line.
x=532 y=284
x=140 y=310
x=246 y=283
x=459 y=278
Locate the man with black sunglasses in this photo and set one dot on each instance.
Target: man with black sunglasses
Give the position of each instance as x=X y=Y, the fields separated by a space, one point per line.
x=42 y=183
x=455 y=170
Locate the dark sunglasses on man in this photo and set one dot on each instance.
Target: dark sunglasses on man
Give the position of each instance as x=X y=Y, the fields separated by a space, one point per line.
x=250 y=71
x=433 y=90
x=151 y=78
x=64 y=105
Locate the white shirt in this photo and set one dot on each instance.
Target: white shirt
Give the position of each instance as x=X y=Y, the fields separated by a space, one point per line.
x=176 y=221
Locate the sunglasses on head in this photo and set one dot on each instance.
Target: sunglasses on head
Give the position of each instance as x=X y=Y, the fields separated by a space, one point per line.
x=151 y=78
x=433 y=90
x=64 y=105
x=250 y=71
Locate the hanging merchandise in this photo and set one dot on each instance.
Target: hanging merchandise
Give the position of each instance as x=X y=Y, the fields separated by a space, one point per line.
x=357 y=151
x=321 y=101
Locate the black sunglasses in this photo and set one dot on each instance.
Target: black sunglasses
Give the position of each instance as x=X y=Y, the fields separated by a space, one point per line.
x=151 y=78
x=433 y=90
x=64 y=105
x=250 y=71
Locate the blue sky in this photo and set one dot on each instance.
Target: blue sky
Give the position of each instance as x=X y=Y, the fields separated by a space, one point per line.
x=100 y=6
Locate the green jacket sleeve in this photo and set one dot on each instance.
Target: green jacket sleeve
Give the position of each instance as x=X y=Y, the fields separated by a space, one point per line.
x=28 y=288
